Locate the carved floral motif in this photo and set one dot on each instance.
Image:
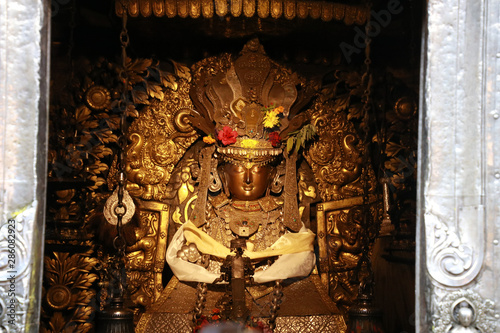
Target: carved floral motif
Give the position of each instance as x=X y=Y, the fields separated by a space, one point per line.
x=68 y=282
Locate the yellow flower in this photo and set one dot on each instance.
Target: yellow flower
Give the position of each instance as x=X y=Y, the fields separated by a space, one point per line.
x=271 y=119
x=208 y=139
x=248 y=143
x=279 y=109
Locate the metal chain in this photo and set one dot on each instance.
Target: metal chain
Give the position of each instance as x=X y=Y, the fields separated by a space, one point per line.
x=367 y=82
x=121 y=209
x=275 y=303
x=201 y=297
x=119 y=243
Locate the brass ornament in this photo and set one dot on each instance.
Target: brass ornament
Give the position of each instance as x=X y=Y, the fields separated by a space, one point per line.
x=326 y=11
x=315 y=9
x=278 y=182
x=221 y=7
x=194 y=9
x=215 y=181
x=276 y=8
x=340 y=240
x=98 y=97
x=146 y=257
x=263 y=8
x=146 y=8
x=132 y=6
x=182 y=8
x=170 y=8
x=159 y=138
x=111 y=209
x=289 y=9
x=58 y=297
x=236 y=8
x=207 y=8
x=405 y=107
x=249 y=7
x=335 y=157
x=69 y=281
x=302 y=9
x=158 y=7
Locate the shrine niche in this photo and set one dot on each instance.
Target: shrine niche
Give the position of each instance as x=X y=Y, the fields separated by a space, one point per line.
x=322 y=156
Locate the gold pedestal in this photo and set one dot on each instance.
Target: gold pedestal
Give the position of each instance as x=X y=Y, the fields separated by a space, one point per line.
x=305 y=307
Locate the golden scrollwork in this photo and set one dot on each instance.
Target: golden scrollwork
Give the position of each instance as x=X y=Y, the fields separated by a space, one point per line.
x=336 y=157
x=157 y=222
x=159 y=138
x=324 y=10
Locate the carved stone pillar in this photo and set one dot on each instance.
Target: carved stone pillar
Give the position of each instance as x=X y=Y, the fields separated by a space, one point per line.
x=24 y=37
x=459 y=168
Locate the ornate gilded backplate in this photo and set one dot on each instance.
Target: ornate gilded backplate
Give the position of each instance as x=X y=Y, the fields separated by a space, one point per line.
x=162 y=166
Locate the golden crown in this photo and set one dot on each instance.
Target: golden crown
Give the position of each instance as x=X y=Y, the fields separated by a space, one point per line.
x=247 y=106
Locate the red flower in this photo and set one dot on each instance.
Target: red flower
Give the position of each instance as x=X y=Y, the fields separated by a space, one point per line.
x=274 y=138
x=227 y=135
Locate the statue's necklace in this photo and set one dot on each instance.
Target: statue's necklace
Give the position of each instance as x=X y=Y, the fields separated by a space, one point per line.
x=243 y=217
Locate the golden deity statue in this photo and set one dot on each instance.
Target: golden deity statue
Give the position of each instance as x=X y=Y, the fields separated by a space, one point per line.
x=241 y=252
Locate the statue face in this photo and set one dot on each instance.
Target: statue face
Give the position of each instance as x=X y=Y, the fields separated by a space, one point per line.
x=350 y=233
x=248 y=184
x=465 y=316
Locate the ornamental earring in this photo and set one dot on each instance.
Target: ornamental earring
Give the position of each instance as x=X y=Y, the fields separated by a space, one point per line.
x=277 y=182
x=225 y=187
x=215 y=184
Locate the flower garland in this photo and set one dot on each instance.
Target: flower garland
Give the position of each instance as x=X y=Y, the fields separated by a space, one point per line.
x=272 y=116
x=271 y=122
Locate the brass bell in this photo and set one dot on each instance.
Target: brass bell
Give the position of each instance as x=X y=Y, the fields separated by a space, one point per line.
x=115 y=318
x=364 y=317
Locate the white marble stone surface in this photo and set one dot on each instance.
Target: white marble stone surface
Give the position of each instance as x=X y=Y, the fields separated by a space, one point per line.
x=23 y=75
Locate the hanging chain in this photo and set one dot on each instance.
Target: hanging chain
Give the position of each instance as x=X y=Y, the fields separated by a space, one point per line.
x=364 y=261
x=275 y=303
x=120 y=209
x=367 y=82
x=201 y=297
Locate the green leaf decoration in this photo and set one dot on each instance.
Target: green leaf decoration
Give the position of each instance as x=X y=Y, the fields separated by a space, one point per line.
x=289 y=144
x=299 y=138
